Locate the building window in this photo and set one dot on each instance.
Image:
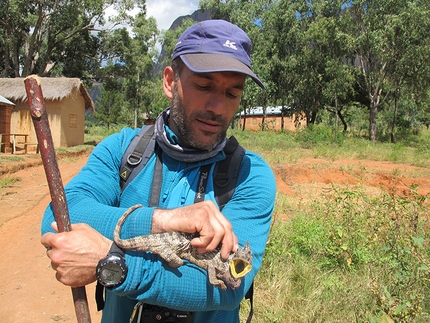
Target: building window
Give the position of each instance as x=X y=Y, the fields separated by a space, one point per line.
x=73 y=120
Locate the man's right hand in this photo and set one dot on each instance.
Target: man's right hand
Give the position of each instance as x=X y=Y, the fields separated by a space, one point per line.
x=204 y=218
x=74 y=255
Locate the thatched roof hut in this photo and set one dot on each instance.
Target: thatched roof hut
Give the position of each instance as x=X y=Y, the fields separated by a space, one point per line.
x=66 y=101
x=53 y=88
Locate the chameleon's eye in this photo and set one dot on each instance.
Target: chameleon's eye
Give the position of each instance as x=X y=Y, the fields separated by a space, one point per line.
x=239 y=267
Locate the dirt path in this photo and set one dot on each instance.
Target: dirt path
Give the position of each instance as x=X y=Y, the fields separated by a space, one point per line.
x=29 y=291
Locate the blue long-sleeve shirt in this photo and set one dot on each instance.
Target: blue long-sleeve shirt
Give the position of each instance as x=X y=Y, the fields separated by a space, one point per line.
x=93 y=197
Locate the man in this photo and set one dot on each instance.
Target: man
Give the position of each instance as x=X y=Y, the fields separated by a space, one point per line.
x=204 y=83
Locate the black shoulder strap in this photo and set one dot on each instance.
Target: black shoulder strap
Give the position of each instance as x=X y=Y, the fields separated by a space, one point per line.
x=226 y=172
x=250 y=295
x=138 y=153
x=225 y=180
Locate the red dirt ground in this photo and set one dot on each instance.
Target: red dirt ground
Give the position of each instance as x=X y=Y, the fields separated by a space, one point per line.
x=29 y=291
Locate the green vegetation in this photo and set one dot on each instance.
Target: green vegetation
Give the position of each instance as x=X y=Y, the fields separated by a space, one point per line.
x=4 y=159
x=350 y=258
x=344 y=255
x=94 y=134
x=321 y=141
x=7 y=182
x=74 y=150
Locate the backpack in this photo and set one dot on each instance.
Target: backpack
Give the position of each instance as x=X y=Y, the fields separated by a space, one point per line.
x=226 y=171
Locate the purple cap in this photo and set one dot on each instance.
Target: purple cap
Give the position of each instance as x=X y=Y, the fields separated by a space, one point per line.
x=216 y=46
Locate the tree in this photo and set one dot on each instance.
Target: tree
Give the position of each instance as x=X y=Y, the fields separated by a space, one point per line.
x=325 y=34
x=409 y=77
x=373 y=33
x=111 y=102
x=40 y=35
x=140 y=68
x=281 y=38
x=129 y=57
x=299 y=56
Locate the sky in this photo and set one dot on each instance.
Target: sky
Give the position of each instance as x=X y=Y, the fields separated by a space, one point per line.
x=166 y=11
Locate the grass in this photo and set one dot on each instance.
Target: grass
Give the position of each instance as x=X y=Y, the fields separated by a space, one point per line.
x=8 y=182
x=350 y=256
x=11 y=163
x=5 y=159
x=95 y=134
x=75 y=150
x=284 y=147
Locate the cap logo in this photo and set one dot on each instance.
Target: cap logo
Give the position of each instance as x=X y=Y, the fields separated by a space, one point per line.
x=230 y=44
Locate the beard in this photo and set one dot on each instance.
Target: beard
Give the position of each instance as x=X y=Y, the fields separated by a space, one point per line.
x=184 y=124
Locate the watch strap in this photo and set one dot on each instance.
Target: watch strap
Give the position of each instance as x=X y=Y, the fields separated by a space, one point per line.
x=100 y=296
x=115 y=249
x=100 y=289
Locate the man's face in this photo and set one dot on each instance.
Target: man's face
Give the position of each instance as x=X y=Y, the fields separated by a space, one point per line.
x=203 y=105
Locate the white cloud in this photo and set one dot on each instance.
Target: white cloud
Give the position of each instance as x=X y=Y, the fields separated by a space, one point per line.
x=166 y=11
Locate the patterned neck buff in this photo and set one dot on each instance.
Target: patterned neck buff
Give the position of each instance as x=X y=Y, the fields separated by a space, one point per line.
x=174 y=150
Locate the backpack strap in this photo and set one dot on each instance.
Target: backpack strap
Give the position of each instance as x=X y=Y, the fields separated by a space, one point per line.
x=225 y=180
x=250 y=295
x=157 y=180
x=226 y=172
x=139 y=151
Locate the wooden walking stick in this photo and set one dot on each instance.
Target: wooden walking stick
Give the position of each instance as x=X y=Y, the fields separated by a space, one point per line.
x=53 y=176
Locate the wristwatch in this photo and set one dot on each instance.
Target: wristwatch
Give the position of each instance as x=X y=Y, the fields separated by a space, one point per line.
x=111 y=271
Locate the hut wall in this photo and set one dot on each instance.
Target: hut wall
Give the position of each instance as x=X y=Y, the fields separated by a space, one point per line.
x=72 y=119
x=273 y=122
x=5 y=113
x=66 y=119
x=5 y=117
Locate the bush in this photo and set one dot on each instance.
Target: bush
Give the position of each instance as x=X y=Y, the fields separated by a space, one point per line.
x=353 y=258
x=313 y=135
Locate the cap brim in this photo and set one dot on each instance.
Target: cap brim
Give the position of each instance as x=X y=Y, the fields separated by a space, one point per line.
x=210 y=63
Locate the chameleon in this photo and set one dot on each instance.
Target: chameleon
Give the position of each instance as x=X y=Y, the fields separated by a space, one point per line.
x=174 y=247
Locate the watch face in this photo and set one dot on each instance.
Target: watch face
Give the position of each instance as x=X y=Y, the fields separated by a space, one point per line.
x=111 y=273
x=112 y=270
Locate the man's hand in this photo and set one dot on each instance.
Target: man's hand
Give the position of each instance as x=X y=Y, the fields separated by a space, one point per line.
x=204 y=218
x=75 y=254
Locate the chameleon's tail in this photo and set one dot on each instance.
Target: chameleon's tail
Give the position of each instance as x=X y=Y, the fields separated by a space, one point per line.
x=117 y=232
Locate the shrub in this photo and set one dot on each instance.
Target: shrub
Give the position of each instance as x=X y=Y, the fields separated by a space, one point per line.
x=353 y=258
